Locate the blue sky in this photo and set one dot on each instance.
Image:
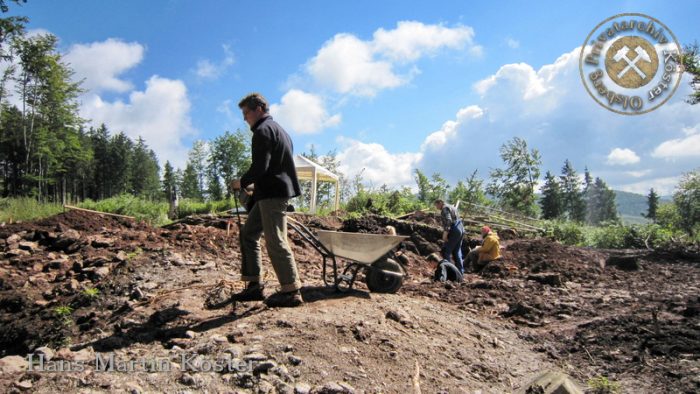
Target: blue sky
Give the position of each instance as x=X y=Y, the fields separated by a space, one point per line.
x=391 y=86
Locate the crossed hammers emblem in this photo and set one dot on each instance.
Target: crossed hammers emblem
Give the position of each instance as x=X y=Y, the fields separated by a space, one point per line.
x=621 y=54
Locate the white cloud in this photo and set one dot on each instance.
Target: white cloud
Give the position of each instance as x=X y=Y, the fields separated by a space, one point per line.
x=664 y=186
x=622 y=157
x=551 y=110
x=100 y=63
x=206 y=69
x=376 y=164
x=449 y=128
x=411 y=40
x=512 y=43
x=349 y=65
x=159 y=114
x=346 y=64
x=638 y=174
x=679 y=148
x=303 y=112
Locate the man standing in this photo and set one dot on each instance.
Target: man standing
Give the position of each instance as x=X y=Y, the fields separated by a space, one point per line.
x=490 y=250
x=273 y=173
x=452 y=233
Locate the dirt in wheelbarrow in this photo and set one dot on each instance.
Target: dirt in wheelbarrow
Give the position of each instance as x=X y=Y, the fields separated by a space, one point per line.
x=80 y=287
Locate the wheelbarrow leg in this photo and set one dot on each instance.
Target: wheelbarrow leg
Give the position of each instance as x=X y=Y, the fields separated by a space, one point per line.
x=348 y=277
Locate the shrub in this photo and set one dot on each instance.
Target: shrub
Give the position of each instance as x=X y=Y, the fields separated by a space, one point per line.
x=568 y=233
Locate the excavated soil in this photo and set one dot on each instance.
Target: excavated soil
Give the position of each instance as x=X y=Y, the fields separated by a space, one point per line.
x=163 y=293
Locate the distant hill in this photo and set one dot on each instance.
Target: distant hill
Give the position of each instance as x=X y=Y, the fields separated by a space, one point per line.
x=631 y=206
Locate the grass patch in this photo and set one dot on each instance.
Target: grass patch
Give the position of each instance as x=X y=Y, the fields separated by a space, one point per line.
x=602 y=385
x=24 y=209
x=153 y=212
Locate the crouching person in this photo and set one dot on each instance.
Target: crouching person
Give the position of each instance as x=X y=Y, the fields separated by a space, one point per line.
x=490 y=250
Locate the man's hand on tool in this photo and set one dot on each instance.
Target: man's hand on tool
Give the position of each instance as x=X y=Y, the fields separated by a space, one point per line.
x=235 y=184
x=444 y=236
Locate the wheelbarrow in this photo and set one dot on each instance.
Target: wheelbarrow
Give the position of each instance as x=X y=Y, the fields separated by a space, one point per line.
x=370 y=254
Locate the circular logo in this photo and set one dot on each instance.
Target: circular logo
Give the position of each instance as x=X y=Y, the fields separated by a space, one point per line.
x=629 y=64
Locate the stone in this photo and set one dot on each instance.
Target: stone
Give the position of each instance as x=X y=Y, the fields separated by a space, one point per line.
x=46 y=351
x=13 y=364
x=16 y=253
x=335 y=388
x=302 y=388
x=99 y=273
x=187 y=379
x=294 y=360
x=122 y=256
x=218 y=338
x=102 y=242
x=24 y=385
x=190 y=334
x=254 y=357
x=551 y=382
x=13 y=239
x=547 y=278
x=29 y=246
x=264 y=367
x=625 y=263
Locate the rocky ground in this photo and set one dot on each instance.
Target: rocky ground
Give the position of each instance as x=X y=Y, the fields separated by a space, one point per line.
x=80 y=287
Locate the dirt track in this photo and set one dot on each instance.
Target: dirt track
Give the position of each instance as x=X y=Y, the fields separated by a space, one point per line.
x=545 y=306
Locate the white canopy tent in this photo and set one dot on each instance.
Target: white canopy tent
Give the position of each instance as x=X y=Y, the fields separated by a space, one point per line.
x=308 y=170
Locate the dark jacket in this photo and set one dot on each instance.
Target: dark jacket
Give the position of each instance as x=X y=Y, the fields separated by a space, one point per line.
x=272 y=170
x=447 y=271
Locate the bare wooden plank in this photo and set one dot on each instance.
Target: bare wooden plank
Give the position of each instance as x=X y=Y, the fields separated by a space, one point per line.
x=97 y=212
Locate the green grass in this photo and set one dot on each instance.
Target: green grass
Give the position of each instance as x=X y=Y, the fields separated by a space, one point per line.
x=24 y=209
x=602 y=385
x=153 y=212
x=91 y=293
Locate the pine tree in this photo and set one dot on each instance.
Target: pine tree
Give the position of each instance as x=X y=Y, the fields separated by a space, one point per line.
x=145 y=177
x=652 y=205
x=514 y=185
x=169 y=181
x=190 y=183
x=573 y=203
x=603 y=207
x=552 y=199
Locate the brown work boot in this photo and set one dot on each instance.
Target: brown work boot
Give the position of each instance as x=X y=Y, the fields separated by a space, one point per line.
x=252 y=292
x=288 y=299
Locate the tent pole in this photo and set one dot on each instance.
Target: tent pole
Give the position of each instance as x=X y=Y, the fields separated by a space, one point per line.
x=314 y=181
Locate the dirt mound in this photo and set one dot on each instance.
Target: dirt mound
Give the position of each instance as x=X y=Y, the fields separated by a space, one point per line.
x=97 y=283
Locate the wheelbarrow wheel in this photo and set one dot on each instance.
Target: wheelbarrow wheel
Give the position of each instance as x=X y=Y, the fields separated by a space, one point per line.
x=382 y=282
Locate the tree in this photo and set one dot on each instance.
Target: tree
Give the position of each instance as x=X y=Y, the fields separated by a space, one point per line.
x=198 y=158
x=431 y=189
x=230 y=156
x=190 y=183
x=145 y=177
x=573 y=203
x=169 y=181
x=552 y=199
x=601 y=206
x=690 y=60
x=470 y=191
x=4 y=7
x=514 y=186
x=687 y=200
x=652 y=205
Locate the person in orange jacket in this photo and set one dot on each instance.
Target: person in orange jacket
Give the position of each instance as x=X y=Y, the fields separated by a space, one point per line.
x=489 y=250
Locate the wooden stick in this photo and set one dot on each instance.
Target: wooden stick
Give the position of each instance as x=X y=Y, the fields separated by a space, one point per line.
x=97 y=212
x=416 y=380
